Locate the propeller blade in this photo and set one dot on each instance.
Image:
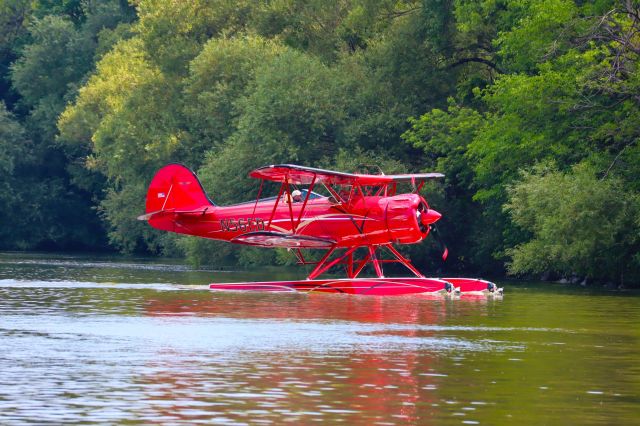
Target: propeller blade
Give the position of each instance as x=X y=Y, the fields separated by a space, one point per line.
x=438 y=238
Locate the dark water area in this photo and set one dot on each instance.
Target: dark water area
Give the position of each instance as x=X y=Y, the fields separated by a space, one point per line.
x=111 y=341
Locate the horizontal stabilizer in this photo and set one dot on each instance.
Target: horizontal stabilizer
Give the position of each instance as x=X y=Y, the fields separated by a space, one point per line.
x=153 y=214
x=278 y=239
x=160 y=213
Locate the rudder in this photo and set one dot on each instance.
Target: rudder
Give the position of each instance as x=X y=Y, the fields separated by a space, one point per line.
x=175 y=188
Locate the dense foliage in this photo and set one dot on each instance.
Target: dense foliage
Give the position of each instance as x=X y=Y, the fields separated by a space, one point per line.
x=530 y=108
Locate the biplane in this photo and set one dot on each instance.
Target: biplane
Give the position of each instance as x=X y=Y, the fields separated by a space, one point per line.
x=355 y=218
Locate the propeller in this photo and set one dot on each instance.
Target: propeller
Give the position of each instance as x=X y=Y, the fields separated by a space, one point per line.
x=427 y=219
x=438 y=238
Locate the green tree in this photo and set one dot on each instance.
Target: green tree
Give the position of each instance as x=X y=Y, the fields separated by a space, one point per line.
x=13 y=147
x=289 y=115
x=219 y=77
x=444 y=136
x=173 y=33
x=54 y=53
x=122 y=123
x=579 y=224
x=497 y=86
x=58 y=57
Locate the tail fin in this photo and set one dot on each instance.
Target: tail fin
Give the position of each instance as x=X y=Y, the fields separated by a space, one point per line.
x=175 y=189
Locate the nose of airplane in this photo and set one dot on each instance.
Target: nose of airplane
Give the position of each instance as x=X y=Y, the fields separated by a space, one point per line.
x=430 y=216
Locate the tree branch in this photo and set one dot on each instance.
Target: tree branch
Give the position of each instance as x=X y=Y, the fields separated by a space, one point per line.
x=487 y=62
x=615 y=160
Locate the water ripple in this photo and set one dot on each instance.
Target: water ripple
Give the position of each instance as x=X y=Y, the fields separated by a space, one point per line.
x=87 y=342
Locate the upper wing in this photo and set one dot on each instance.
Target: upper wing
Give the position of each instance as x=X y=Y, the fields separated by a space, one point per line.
x=301 y=175
x=279 y=239
x=413 y=177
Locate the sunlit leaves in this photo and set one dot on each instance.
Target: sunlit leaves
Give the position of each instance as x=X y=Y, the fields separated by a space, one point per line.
x=118 y=74
x=544 y=28
x=173 y=32
x=218 y=79
x=288 y=115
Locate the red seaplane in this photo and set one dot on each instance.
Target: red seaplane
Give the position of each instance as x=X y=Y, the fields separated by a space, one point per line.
x=359 y=219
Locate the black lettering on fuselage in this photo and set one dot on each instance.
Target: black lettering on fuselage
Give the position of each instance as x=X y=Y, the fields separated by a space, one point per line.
x=228 y=225
x=242 y=224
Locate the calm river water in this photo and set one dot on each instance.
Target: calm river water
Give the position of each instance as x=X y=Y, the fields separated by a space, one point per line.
x=86 y=340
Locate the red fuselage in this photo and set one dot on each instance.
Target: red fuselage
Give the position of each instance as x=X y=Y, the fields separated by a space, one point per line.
x=369 y=220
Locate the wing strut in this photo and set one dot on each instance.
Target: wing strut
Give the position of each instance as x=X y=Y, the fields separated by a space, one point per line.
x=322 y=267
x=258 y=197
x=289 y=201
x=376 y=263
x=275 y=206
x=361 y=266
x=318 y=269
x=285 y=189
x=404 y=260
x=355 y=266
x=313 y=182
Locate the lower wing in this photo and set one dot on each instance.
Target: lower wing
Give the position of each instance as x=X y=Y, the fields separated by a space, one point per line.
x=279 y=239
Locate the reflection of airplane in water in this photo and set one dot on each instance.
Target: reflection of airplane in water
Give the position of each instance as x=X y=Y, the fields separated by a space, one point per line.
x=357 y=224
x=354 y=384
x=275 y=389
x=426 y=310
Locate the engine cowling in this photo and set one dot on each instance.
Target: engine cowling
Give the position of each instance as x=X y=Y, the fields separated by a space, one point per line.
x=408 y=218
